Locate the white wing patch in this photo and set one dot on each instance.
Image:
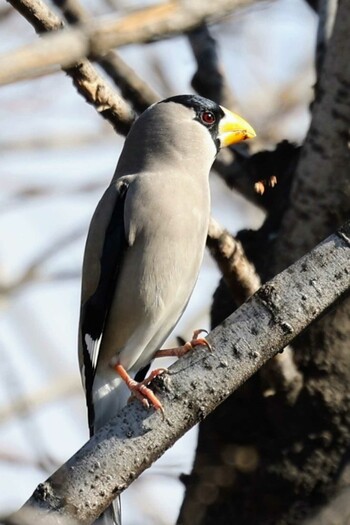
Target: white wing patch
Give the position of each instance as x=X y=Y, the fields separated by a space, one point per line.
x=93 y=347
x=82 y=373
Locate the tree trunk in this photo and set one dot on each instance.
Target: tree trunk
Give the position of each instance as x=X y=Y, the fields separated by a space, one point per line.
x=264 y=457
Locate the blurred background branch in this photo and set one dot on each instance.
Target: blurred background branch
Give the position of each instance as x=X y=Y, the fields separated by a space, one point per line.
x=86 y=79
x=68 y=46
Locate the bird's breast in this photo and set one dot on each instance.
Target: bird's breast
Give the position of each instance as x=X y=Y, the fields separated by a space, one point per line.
x=168 y=247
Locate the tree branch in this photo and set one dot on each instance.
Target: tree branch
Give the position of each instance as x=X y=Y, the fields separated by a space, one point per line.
x=82 y=488
x=238 y=272
x=62 y=387
x=132 y=87
x=209 y=80
x=86 y=79
x=33 y=271
x=68 y=46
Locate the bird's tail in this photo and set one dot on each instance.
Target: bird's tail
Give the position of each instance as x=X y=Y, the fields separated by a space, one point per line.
x=112 y=515
x=105 y=407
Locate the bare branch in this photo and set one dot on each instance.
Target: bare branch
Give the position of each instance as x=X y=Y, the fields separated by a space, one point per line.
x=92 y=39
x=209 y=79
x=280 y=374
x=238 y=272
x=132 y=87
x=38 y=15
x=88 y=82
x=96 y=91
x=196 y=384
x=73 y=11
x=33 y=269
x=65 y=386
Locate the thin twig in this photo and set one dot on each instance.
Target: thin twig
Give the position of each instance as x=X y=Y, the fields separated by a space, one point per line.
x=209 y=80
x=47 y=464
x=132 y=86
x=33 y=270
x=65 y=386
x=73 y=11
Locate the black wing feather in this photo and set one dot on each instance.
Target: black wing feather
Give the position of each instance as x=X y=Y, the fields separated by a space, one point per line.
x=96 y=308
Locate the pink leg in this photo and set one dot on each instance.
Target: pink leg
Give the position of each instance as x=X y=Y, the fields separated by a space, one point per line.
x=140 y=390
x=182 y=350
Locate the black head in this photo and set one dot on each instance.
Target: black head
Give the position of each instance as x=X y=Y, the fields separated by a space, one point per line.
x=207 y=112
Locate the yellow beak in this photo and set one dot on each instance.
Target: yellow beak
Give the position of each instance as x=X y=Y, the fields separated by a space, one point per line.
x=233 y=129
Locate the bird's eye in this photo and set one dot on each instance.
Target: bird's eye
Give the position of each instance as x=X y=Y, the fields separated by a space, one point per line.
x=208 y=118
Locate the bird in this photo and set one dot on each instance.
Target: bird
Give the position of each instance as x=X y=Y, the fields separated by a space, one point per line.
x=144 y=249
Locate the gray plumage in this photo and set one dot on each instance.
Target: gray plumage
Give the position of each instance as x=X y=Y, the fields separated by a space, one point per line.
x=146 y=242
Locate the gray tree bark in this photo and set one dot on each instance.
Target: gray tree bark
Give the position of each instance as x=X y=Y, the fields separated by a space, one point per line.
x=294 y=450
x=197 y=383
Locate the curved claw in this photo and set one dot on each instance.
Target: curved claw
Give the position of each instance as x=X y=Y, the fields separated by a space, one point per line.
x=200 y=341
x=141 y=390
x=199 y=331
x=146 y=396
x=190 y=345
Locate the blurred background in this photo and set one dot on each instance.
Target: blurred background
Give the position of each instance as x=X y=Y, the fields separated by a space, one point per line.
x=57 y=157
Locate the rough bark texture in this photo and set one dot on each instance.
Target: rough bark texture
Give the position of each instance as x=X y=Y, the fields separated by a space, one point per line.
x=262 y=458
x=320 y=199
x=81 y=489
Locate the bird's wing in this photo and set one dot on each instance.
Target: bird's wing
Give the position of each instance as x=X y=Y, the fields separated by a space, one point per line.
x=104 y=252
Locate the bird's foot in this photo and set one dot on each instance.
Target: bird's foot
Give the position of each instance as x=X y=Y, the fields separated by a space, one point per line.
x=140 y=389
x=179 y=351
